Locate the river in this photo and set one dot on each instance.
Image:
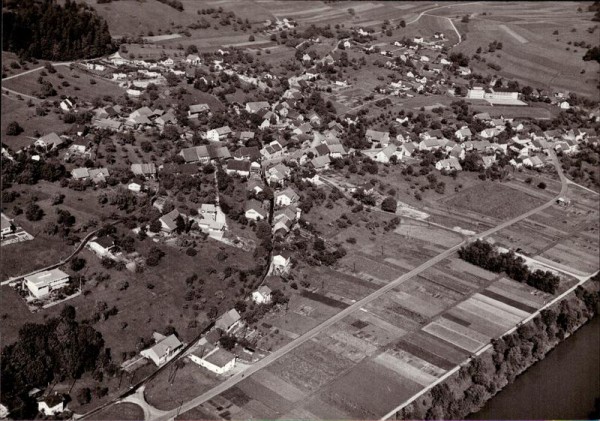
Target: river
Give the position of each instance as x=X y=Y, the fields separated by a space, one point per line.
x=563 y=385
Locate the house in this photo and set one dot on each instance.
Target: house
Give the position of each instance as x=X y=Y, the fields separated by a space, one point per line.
x=144 y=169
x=42 y=283
x=564 y=105
x=168 y=221
x=67 y=104
x=386 y=154
x=463 y=133
x=488 y=160
x=239 y=167
x=277 y=174
x=457 y=152
x=320 y=162
x=102 y=246
x=107 y=123
x=164 y=349
x=135 y=187
x=448 y=164
x=246 y=136
x=193 y=59
x=211 y=218
x=255 y=211
x=197 y=109
x=49 y=141
x=250 y=153
x=286 y=197
x=272 y=150
x=51 y=405
x=408 y=149
x=281 y=261
x=376 y=136
x=255 y=107
x=464 y=71
x=79 y=147
x=117 y=60
x=533 y=162
x=218 y=134
x=491 y=132
x=167 y=118
x=254 y=185
x=262 y=295
x=219 y=361
x=7 y=225
x=431 y=144
x=228 y=320
x=169 y=62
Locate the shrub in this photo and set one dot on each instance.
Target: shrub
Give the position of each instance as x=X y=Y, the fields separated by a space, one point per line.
x=13 y=129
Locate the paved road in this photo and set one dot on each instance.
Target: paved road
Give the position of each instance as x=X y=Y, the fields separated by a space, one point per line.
x=232 y=381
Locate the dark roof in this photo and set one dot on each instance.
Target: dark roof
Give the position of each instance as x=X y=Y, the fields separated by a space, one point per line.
x=238 y=165
x=251 y=152
x=322 y=149
x=105 y=241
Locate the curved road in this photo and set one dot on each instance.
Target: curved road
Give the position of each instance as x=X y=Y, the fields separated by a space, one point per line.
x=232 y=381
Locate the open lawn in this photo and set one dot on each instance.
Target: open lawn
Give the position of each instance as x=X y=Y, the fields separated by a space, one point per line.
x=122 y=411
x=25 y=257
x=501 y=202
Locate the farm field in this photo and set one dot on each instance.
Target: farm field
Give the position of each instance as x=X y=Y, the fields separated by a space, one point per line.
x=532 y=54
x=403 y=341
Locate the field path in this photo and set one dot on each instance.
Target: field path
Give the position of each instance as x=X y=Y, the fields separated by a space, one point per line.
x=437 y=8
x=237 y=378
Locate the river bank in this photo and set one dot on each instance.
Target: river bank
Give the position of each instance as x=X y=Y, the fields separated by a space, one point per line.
x=484 y=376
x=564 y=385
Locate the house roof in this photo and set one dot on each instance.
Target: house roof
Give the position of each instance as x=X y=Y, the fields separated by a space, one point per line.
x=322 y=149
x=46 y=277
x=79 y=173
x=53 y=400
x=222 y=130
x=377 y=135
x=51 y=139
x=166 y=345
x=219 y=357
x=6 y=222
x=169 y=219
x=256 y=206
x=228 y=319
x=265 y=290
x=143 y=169
x=251 y=152
x=320 y=161
x=254 y=107
x=105 y=241
x=289 y=192
x=198 y=108
x=238 y=165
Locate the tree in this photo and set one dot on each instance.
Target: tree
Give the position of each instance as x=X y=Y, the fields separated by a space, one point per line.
x=402 y=24
x=84 y=395
x=13 y=129
x=389 y=204
x=77 y=263
x=228 y=342
x=34 y=212
x=155 y=226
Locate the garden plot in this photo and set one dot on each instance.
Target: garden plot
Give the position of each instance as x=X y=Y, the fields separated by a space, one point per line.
x=428 y=233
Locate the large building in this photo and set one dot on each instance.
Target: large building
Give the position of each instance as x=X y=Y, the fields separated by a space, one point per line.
x=42 y=283
x=218 y=360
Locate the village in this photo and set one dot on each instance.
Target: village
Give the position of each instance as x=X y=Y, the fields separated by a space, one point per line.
x=273 y=180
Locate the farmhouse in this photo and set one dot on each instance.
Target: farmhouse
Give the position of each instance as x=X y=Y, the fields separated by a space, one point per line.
x=219 y=361
x=165 y=348
x=377 y=136
x=42 y=283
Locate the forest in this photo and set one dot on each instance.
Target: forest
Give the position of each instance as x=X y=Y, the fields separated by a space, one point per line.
x=50 y=31
x=485 y=255
x=59 y=349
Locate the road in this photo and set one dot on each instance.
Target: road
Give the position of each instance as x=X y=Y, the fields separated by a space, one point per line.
x=424 y=12
x=232 y=381
x=85 y=240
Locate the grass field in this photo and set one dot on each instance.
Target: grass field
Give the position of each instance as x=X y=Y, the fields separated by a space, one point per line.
x=122 y=411
x=501 y=201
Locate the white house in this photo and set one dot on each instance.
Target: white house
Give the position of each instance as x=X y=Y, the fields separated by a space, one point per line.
x=193 y=59
x=218 y=134
x=67 y=104
x=49 y=141
x=197 y=109
x=564 y=105
x=255 y=211
x=52 y=405
x=7 y=225
x=286 y=197
x=102 y=246
x=281 y=261
x=448 y=164
x=211 y=218
x=134 y=187
x=42 y=283
x=219 y=361
x=165 y=348
x=262 y=295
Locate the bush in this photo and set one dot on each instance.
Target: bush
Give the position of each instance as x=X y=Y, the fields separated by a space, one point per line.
x=34 y=212
x=14 y=129
x=389 y=204
x=542 y=185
